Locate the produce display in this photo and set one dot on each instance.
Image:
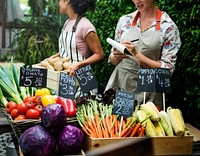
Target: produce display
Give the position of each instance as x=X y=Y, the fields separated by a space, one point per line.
x=93 y=114
x=97 y=121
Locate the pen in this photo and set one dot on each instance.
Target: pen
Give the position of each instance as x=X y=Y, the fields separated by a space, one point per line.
x=135 y=40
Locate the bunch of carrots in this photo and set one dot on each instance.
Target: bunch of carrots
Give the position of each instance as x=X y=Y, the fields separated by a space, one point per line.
x=97 y=121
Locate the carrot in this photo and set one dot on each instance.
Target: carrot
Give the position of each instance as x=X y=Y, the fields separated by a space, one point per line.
x=91 y=129
x=124 y=131
x=128 y=133
x=92 y=126
x=138 y=131
x=99 y=130
x=105 y=127
x=108 y=123
x=112 y=130
x=87 y=131
x=95 y=127
x=135 y=129
x=123 y=124
x=141 y=131
x=116 y=128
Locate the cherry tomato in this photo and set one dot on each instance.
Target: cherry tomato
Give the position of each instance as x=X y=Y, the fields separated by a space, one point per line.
x=28 y=99
x=10 y=106
x=30 y=105
x=32 y=114
x=22 y=108
x=14 y=113
x=39 y=108
x=20 y=117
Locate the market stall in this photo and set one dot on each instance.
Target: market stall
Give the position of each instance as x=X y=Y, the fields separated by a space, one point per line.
x=86 y=124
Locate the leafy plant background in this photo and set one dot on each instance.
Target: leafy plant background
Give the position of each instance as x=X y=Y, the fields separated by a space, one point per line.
x=185 y=13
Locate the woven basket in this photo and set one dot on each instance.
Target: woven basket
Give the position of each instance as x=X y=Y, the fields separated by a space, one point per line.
x=20 y=126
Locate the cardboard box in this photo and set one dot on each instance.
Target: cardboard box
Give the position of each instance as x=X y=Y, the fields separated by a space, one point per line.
x=161 y=145
x=52 y=77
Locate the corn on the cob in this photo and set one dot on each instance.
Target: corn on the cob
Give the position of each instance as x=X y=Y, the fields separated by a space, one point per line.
x=145 y=120
x=166 y=124
x=151 y=110
x=159 y=128
x=176 y=119
x=142 y=117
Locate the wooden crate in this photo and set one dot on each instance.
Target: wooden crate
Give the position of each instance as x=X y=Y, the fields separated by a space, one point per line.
x=52 y=77
x=161 y=145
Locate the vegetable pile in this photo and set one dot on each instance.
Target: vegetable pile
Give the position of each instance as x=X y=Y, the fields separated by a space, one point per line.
x=148 y=120
x=41 y=140
x=97 y=121
x=56 y=63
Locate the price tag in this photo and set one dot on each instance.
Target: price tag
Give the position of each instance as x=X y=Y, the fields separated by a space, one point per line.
x=86 y=79
x=123 y=104
x=163 y=82
x=154 y=80
x=67 y=86
x=33 y=77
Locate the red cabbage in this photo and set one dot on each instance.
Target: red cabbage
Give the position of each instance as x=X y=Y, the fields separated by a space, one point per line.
x=70 y=140
x=36 y=141
x=53 y=117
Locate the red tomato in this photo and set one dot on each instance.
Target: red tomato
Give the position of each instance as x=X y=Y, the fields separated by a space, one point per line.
x=10 y=106
x=30 y=105
x=20 y=117
x=22 y=108
x=32 y=114
x=39 y=108
x=14 y=113
x=37 y=99
x=28 y=99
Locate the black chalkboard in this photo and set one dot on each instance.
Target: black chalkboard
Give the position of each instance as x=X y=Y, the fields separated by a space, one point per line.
x=86 y=79
x=123 y=104
x=33 y=77
x=67 y=86
x=154 y=80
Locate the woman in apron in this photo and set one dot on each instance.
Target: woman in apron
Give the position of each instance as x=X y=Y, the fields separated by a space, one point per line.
x=78 y=40
x=157 y=43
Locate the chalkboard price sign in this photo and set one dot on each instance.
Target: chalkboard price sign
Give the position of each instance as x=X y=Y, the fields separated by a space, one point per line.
x=154 y=80
x=86 y=79
x=33 y=77
x=123 y=104
x=67 y=86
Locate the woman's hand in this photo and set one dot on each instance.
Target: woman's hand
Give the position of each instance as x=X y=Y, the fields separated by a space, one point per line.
x=72 y=68
x=130 y=47
x=116 y=56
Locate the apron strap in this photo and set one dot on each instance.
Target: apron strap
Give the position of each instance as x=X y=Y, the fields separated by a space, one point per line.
x=158 y=18
x=135 y=19
x=76 y=23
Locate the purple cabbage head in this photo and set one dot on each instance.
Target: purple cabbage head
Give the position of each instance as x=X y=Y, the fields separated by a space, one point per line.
x=53 y=117
x=36 y=141
x=70 y=139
